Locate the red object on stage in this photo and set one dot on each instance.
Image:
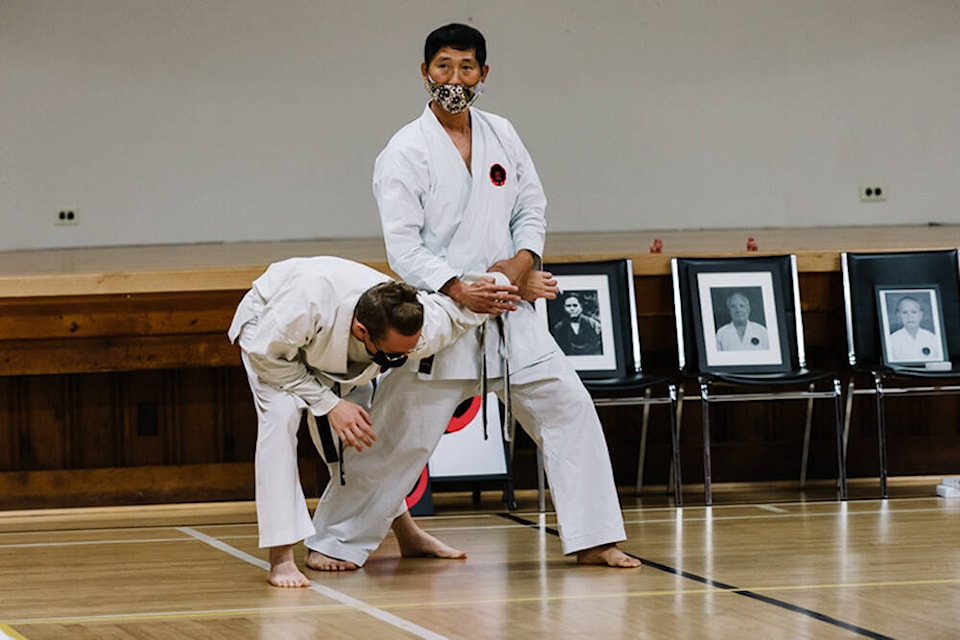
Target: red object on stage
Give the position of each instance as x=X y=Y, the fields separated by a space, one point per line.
x=657 y=246
x=752 y=244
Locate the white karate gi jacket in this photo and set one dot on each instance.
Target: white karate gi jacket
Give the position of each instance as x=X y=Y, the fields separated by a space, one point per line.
x=441 y=221
x=729 y=340
x=304 y=308
x=906 y=348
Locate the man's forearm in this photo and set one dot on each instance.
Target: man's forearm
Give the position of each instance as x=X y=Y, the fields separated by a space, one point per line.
x=453 y=288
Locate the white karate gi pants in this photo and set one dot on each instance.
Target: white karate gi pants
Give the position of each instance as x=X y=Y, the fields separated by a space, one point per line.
x=410 y=416
x=282 y=515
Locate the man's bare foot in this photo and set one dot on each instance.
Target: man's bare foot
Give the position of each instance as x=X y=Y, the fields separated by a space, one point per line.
x=319 y=562
x=608 y=554
x=417 y=543
x=283 y=569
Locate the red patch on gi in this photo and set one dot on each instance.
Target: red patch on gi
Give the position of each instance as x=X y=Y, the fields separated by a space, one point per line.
x=498 y=175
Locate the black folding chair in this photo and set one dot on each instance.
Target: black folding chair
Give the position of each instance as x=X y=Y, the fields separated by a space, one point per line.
x=874 y=284
x=757 y=358
x=611 y=372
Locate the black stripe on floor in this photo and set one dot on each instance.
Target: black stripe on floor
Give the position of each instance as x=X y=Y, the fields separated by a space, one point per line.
x=846 y=626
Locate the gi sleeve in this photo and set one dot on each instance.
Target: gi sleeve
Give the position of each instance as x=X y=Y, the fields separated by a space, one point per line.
x=528 y=222
x=400 y=190
x=287 y=324
x=444 y=322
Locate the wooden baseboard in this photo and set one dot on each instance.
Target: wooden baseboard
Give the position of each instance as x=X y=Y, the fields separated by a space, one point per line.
x=126 y=485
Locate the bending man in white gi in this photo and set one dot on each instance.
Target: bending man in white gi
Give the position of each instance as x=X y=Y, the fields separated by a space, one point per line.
x=313 y=334
x=458 y=195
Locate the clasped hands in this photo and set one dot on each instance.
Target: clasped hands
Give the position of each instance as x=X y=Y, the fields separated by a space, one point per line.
x=532 y=283
x=484 y=295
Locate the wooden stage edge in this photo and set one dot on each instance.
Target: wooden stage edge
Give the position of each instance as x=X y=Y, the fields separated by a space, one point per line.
x=233 y=266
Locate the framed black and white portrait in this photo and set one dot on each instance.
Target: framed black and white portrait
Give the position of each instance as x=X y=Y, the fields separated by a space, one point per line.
x=911 y=325
x=740 y=320
x=591 y=317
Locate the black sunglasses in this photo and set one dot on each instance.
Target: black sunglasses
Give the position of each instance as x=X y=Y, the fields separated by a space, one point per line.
x=390 y=357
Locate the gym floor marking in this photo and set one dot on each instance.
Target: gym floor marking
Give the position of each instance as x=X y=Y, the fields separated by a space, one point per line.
x=333 y=594
x=748 y=593
x=348 y=603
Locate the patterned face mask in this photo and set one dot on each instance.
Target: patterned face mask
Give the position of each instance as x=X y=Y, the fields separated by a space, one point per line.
x=454 y=98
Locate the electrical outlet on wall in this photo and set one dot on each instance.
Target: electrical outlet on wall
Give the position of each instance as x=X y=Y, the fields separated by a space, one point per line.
x=67 y=217
x=873 y=193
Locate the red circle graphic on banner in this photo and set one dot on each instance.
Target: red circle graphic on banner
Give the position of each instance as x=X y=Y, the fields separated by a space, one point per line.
x=418 y=490
x=464 y=414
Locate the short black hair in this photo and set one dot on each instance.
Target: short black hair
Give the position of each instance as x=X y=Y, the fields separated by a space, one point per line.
x=457 y=36
x=390 y=305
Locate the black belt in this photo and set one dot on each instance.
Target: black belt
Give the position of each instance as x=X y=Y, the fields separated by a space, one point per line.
x=505 y=361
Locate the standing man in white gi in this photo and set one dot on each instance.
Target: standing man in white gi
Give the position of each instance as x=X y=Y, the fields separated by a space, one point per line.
x=313 y=334
x=458 y=195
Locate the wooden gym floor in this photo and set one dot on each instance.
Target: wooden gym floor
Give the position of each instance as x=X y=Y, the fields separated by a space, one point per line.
x=763 y=562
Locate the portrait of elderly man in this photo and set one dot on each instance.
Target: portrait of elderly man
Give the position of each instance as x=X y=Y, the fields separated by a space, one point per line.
x=741 y=333
x=912 y=342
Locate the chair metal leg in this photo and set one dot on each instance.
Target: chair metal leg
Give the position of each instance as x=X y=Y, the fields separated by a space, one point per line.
x=643 y=439
x=846 y=417
x=541 y=483
x=679 y=405
x=881 y=436
x=705 y=419
x=841 y=458
x=805 y=456
x=677 y=417
x=675 y=443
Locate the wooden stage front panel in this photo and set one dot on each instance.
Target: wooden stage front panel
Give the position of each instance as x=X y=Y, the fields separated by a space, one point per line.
x=118 y=384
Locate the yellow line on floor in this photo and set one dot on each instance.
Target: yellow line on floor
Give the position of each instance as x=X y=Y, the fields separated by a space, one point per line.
x=473 y=602
x=7 y=632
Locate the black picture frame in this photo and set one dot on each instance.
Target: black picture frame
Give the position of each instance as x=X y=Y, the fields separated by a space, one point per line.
x=929 y=344
x=605 y=292
x=764 y=346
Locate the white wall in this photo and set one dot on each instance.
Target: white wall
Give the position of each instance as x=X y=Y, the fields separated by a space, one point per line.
x=168 y=121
